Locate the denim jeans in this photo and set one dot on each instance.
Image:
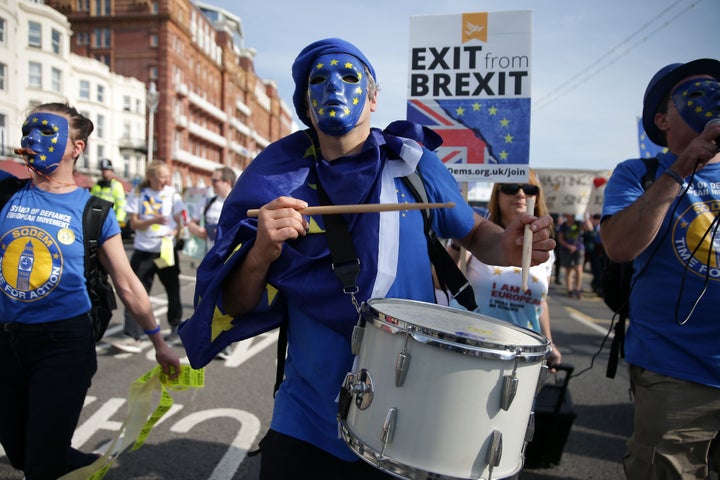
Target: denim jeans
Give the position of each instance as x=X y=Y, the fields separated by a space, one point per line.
x=46 y=373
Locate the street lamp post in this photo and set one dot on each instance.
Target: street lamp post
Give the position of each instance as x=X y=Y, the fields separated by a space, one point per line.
x=153 y=98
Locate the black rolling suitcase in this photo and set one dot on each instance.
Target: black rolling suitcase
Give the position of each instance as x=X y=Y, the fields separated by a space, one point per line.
x=554 y=416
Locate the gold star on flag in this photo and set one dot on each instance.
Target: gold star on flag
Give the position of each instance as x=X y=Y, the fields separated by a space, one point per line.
x=333 y=62
x=460 y=111
x=493 y=110
x=220 y=323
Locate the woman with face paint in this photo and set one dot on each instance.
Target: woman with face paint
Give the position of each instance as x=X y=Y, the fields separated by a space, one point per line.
x=670 y=232
x=47 y=345
x=278 y=267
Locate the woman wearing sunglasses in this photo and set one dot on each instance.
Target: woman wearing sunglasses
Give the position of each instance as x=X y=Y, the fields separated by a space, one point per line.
x=498 y=289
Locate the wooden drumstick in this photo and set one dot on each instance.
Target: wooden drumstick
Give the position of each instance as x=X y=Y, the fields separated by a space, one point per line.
x=527 y=245
x=362 y=208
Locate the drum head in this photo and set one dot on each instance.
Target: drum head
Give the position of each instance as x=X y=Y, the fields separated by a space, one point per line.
x=451 y=325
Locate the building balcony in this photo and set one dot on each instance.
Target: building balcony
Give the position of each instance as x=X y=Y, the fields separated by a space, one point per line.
x=183 y=156
x=206 y=134
x=207 y=107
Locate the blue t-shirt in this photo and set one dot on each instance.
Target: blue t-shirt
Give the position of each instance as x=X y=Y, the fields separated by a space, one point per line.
x=671 y=275
x=42 y=263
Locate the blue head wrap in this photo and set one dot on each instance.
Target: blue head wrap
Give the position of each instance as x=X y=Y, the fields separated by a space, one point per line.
x=304 y=61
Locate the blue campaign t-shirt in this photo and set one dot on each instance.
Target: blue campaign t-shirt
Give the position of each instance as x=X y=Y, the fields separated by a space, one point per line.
x=674 y=327
x=42 y=263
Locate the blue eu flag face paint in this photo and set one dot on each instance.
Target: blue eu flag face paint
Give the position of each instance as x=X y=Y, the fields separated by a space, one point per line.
x=337 y=92
x=46 y=134
x=697 y=101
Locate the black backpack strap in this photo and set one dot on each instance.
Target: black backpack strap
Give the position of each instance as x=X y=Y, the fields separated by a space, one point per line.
x=209 y=204
x=447 y=271
x=345 y=264
x=94 y=215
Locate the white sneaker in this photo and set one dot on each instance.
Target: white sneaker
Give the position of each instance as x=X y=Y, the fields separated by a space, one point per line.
x=128 y=345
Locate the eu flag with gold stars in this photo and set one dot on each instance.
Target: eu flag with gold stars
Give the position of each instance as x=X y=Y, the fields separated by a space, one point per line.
x=648 y=149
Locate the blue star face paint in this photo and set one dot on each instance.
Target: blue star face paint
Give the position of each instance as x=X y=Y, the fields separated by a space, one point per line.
x=46 y=134
x=337 y=92
x=697 y=101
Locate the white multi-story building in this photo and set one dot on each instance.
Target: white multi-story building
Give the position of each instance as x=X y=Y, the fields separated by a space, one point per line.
x=36 y=66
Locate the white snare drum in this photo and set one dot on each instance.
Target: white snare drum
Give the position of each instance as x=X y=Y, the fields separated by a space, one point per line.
x=439 y=392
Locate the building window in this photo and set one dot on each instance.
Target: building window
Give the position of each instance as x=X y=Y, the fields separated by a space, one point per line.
x=102 y=7
x=100 y=127
x=153 y=40
x=56 y=42
x=153 y=73
x=83 y=5
x=100 y=151
x=35 y=75
x=83 y=38
x=56 y=79
x=126 y=103
x=100 y=94
x=102 y=38
x=34 y=35
x=84 y=89
x=4 y=150
x=103 y=59
x=3 y=75
x=126 y=131
x=2 y=30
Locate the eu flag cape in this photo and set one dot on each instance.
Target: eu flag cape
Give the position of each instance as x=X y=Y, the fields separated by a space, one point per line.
x=303 y=275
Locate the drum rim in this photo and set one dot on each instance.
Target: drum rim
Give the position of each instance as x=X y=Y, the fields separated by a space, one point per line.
x=391 y=465
x=468 y=345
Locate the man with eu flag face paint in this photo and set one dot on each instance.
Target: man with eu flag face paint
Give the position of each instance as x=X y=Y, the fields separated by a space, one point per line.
x=670 y=231
x=278 y=268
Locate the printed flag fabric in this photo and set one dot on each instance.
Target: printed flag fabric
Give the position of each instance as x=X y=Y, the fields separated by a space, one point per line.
x=303 y=273
x=648 y=149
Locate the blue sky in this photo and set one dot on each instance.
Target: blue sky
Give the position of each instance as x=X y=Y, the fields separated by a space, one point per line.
x=591 y=59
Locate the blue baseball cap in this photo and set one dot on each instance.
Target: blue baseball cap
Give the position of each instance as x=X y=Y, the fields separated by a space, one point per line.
x=304 y=62
x=660 y=85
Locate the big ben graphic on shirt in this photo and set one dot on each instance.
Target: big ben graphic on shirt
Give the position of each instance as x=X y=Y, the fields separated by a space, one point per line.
x=31 y=263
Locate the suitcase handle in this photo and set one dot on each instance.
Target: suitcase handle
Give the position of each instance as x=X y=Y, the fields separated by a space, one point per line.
x=568 y=369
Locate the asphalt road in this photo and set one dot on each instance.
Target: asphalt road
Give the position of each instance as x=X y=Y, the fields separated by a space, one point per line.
x=207 y=432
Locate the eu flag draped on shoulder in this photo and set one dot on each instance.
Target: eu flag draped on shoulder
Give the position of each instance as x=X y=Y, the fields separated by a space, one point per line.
x=278 y=172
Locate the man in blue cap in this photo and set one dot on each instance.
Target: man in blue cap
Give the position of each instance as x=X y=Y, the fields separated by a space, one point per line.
x=671 y=232
x=277 y=268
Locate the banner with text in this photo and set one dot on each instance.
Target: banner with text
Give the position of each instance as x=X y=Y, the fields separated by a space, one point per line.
x=579 y=192
x=470 y=82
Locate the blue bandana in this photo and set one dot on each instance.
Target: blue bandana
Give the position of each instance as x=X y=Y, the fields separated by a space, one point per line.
x=305 y=61
x=46 y=134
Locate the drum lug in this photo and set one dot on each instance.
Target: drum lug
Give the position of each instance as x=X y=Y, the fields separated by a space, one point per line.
x=530 y=432
x=356 y=339
x=363 y=390
x=388 y=429
x=401 y=368
x=509 y=390
x=494 y=452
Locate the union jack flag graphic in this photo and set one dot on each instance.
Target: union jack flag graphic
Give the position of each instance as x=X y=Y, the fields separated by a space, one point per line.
x=477 y=131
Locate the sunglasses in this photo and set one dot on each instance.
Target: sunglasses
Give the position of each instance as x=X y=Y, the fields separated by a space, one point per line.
x=513 y=188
